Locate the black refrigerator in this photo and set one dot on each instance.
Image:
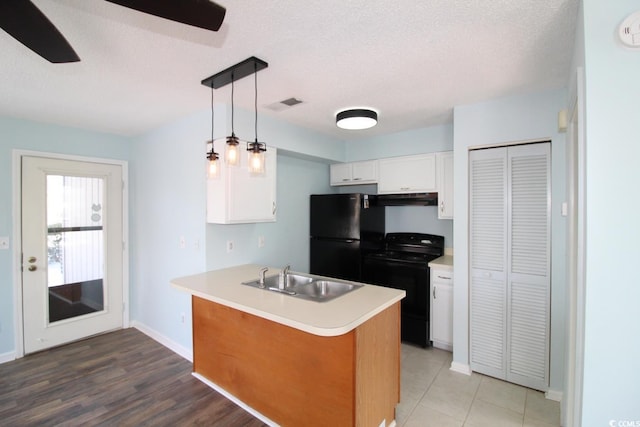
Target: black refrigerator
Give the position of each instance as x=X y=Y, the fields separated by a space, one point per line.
x=343 y=228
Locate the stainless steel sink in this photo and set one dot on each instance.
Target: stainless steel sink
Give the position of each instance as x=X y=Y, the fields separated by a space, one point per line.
x=323 y=290
x=309 y=287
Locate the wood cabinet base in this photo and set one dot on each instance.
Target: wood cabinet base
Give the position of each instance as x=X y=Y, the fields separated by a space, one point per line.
x=296 y=378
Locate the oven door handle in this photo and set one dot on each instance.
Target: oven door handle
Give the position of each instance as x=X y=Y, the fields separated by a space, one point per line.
x=434 y=292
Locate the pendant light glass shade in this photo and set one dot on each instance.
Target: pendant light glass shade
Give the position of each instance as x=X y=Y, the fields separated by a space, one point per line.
x=256 y=157
x=231 y=154
x=213 y=166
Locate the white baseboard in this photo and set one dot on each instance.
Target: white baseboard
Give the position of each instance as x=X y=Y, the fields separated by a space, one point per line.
x=462 y=368
x=554 y=395
x=8 y=357
x=235 y=400
x=170 y=344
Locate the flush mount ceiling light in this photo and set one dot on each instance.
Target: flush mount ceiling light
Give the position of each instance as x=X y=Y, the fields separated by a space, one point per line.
x=356 y=119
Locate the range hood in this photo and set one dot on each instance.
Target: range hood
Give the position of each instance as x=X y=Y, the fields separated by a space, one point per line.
x=408 y=199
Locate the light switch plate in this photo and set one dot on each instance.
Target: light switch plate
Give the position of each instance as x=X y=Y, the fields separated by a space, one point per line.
x=4 y=242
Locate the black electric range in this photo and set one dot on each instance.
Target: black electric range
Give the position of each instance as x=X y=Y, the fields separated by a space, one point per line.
x=403 y=264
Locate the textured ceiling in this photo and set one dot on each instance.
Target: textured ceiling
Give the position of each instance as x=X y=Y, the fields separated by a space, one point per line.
x=411 y=60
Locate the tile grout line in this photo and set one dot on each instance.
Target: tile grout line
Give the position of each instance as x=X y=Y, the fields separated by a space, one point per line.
x=443 y=364
x=475 y=395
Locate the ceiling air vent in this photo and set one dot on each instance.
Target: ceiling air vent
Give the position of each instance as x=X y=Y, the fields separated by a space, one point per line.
x=284 y=104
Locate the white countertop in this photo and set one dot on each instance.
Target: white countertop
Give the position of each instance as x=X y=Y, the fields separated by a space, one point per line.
x=443 y=263
x=331 y=318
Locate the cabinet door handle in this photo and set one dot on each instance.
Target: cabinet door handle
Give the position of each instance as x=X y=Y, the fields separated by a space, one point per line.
x=357 y=179
x=273 y=209
x=442 y=206
x=434 y=292
x=405 y=188
x=443 y=277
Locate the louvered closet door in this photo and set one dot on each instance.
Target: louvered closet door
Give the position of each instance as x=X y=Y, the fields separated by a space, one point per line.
x=509 y=262
x=488 y=204
x=529 y=272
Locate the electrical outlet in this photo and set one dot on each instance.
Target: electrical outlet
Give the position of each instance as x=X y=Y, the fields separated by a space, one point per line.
x=261 y=241
x=4 y=242
x=183 y=242
x=229 y=246
x=196 y=245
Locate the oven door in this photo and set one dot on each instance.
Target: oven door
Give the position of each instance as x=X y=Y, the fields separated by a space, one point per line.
x=411 y=277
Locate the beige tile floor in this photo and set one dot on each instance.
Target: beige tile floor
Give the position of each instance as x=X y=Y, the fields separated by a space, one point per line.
x=433 y=395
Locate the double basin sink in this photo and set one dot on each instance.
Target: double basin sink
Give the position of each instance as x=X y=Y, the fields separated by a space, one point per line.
x=308 y=287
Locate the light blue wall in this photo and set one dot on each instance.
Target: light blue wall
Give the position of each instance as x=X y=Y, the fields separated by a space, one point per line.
x=416 y=141
x=612 y=325
x=299 y=141
x=27 y=135
x=170 y=202
x=286 y=240
x=512 y=119
x=416 y=219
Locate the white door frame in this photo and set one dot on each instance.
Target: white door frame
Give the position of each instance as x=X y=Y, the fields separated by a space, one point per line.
x=575 y=306
x=17 y=235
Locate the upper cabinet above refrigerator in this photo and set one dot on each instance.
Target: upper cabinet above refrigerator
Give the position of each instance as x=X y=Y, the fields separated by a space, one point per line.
x=355 y=173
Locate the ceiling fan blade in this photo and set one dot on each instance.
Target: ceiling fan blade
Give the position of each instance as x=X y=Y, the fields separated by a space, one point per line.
x=25 y=23
x=198 y=13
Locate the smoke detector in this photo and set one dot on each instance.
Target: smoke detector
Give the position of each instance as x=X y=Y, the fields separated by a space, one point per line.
x=629 y=31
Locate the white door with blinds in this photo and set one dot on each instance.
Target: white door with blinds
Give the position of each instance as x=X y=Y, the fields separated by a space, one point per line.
x=510 y=201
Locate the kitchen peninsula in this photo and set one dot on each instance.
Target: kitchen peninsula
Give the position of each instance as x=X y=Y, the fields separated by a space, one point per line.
x=294 y=361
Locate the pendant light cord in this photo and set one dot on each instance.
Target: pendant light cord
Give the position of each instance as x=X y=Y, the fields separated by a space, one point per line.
x=212 y=117
x=232 y=114
x=255 y=99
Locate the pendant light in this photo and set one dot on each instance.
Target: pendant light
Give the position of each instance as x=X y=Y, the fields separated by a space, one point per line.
x=231 y=155
x=256 y=149
x=213 y=169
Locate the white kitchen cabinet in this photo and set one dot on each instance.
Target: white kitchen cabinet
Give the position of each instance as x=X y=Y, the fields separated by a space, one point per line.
x=238 y=197
x=444 y=164
x=441 y=314
x=409 y=174
x=354 y=173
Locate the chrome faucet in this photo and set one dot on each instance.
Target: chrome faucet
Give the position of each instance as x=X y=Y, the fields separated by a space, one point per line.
x=261 y=273
x=283 y=277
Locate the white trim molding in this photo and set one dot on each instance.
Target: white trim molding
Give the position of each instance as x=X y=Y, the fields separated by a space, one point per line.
x=235 y=400
x=169 y=343
x=461 y=368
x=7 y=357
x=555 y=395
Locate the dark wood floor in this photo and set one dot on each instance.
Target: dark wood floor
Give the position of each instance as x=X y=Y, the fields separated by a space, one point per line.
x=122 y=378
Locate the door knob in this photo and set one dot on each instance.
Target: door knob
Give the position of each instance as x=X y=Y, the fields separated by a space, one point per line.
x=31 y=260
x=33 y=268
